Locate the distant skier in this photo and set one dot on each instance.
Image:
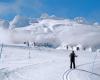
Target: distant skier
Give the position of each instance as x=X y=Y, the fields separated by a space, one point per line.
x=72 y=59
x=67 y=47
x=28 y=44
x=77 y=48
x=34 y=44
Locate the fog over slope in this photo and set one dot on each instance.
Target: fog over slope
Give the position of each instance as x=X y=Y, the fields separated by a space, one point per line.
x=4 y=36
x=53 y=30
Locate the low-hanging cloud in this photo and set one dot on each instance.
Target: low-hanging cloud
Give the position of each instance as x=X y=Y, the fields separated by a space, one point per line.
x=4 y=36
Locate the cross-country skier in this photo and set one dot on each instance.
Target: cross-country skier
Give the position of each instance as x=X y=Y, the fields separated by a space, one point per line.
x=72 y=59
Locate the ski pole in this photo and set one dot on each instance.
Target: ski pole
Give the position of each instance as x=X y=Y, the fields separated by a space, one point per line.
x=1 y=50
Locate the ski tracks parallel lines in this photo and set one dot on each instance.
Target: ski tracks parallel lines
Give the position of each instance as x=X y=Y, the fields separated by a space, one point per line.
x=67 y=72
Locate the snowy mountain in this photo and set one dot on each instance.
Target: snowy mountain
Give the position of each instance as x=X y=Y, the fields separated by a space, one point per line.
x=67 y=31
x=19 y=21
x=4 y=24
x=47 y=28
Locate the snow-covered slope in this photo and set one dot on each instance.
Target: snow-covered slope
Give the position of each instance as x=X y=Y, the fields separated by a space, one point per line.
x=21 y=62
x=47 y=64
x=64 y=31
x=69 y=32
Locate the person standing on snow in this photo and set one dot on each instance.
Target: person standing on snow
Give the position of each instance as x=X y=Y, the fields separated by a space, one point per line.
x=67 y=47
x=72 y=59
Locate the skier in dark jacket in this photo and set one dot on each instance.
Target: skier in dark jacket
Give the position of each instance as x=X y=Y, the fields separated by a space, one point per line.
x=72 y=59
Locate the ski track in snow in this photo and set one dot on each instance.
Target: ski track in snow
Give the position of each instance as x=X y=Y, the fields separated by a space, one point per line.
x=14 y=72
x=65 y=75
x=67 y=72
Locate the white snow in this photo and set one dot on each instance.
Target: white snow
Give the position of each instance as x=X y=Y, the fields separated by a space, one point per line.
x=21 y=62
x=46 y=64
x=67 y=31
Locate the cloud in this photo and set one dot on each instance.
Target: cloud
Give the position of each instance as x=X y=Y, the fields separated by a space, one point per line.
x=20 y=7
x=6 y=8
x=4 y=36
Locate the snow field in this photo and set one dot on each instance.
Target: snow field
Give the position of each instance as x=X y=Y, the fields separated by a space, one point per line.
x=45 y=64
